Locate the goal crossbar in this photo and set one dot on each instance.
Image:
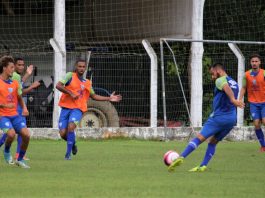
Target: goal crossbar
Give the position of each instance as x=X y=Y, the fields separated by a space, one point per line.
x=214 y=41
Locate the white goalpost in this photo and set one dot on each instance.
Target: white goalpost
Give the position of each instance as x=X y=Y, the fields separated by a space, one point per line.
x=222 y=45
x=58 y=44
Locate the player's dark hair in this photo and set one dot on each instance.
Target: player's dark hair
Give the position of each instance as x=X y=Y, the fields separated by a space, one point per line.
x=76 y=62
x=218 y=65
x=255 y=56
x=18 y=59
x=4 y=61
x=79 y=60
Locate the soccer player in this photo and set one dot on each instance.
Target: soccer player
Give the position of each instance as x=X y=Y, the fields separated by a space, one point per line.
x=76 y=91
x=220 y=122
x=10 y=121
x=254 y=84
x=19 y=70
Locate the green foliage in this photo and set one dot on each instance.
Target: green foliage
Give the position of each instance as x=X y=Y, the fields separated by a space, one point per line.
x=206 y=62
x=181 y=51
x=171 y=69
x=207 y=96
x=207 y=108
x=234 y=20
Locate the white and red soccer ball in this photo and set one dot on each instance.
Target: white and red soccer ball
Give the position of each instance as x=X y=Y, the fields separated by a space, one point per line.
x=170 y=156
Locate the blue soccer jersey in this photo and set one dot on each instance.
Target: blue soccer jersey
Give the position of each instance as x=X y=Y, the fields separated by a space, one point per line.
x=223 y=118
x=221 y=102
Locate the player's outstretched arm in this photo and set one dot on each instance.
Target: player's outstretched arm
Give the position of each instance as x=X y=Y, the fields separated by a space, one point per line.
x=32 y=86
x=28 y=73
x=232 y=98
x=113 y=97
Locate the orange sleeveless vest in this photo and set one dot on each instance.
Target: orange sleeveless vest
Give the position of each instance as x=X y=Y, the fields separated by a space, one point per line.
x=79 y=88
x=256 y=87
x=9 y=94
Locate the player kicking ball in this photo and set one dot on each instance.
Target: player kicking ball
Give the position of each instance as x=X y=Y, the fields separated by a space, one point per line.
x=220 y=122
x=76 y=91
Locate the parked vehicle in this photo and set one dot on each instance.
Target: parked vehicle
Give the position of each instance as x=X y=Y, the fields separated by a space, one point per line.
x=40 y=105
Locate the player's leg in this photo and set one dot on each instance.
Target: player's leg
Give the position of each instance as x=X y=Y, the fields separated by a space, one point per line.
x=209 y=128
x=10 y=138
x=22 y=130
x=25 y=136
x=207 y=131
x=63 y=122
x=192 y=145
x=3 y=139
x=257 y=112
x=210 y=151
x=74 y=119
x=228 y=122
x=7 y=127
x=70 y=140
x=261 y=135
x=19 y=141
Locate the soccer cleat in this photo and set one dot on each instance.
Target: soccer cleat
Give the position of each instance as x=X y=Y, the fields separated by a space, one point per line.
x=262 y=149
x=175 y=163
x=74 y=149
x=67 y=158
x=22 y=164
x=8 y=158
x=198 y=169
x=24 y=158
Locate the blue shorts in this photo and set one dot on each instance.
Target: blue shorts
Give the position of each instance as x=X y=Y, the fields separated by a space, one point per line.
x=12 y=122
x=257 y=111
x=69 y=115
x=219 y=126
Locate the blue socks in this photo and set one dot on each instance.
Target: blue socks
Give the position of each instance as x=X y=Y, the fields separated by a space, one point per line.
x=209 y=154
x=260 y=136
x=7 y=148
x=70 y=143
x=21 y=155
x=193 y=144
x=3 y=139
x=19 y=142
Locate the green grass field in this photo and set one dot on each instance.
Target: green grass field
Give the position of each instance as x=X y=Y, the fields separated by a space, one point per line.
x=132 y=168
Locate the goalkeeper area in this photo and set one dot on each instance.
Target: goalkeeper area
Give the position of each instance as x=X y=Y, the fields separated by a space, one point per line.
x=133 y=168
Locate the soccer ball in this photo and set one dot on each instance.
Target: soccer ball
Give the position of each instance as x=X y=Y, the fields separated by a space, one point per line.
x=170 y=156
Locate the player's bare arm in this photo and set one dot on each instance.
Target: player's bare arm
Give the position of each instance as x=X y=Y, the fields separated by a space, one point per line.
x=31 y=87
x=60 y=86
x=243 y=89
x=242 y=93
x=28 y=73
x=8 y=105
x=112 y=97
x=231 y=96
x=25 y=111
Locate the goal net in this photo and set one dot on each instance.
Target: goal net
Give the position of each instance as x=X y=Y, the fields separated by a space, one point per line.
x=177 y=69
x=111 y=31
